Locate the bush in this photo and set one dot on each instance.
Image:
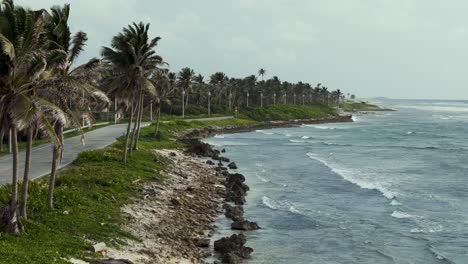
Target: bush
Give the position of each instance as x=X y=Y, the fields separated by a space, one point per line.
x=287 y=112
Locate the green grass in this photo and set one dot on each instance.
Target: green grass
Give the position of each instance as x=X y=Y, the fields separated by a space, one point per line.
x=287 y=112
x=359 y=106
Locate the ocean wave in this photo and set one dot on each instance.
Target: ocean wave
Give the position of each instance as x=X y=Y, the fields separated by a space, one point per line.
x=348 y=175
x=297 y=141
x=395 y=202
x=270 y=203
x=305 y=137
x=402 y=215
x=264 y=132
x=280 y=205
x=219 y=136
x=354 y=118
x=261 y=178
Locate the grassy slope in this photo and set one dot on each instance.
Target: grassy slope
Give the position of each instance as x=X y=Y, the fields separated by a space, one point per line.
x=287 y=112
x=359 y=106
x=94 y=188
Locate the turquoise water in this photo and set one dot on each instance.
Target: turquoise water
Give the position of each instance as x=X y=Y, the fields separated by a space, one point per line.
x=391 y=187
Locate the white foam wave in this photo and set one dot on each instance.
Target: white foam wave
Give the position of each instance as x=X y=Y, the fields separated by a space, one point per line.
x=354 y=118
x=294 y=210
x=264 y=132
x=305 y=137
x=288 y=135
x=219 y=136
x=262 y=179
x=401 y=215
x=349 y=176
x=270 y=203
x=296 y=141
x=395 y=203
x=409 y=132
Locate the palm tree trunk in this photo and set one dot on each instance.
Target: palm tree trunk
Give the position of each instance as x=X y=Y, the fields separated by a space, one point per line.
x=132 y=136
x=137 y=136
x=12 y=225
x=129 y=126
x=187 y=97
x=2 y=136
x=158 y=119
x=27 y=166
x=56 y=156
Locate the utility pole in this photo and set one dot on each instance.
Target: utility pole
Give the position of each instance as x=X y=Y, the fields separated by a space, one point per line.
x=261 y=99
x=274 y=98
x=303 y=103
x=209 y=103
x=183 y=103
x=9 y=142
x=115 y=110
x=248 y=99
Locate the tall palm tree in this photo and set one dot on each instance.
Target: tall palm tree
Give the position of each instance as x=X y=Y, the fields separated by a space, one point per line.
x=185 y=79
x=219 y=80
x=131 y=60
x=261 y=73
x=70 y=89
x=23 y=63
x=200 y=80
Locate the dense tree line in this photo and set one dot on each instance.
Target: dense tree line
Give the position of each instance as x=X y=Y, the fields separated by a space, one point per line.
x=43 y=91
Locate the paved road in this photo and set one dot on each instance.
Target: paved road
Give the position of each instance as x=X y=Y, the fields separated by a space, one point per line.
x=42 y=155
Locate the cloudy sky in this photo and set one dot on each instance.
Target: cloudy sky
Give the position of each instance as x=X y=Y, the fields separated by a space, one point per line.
x=393 y=48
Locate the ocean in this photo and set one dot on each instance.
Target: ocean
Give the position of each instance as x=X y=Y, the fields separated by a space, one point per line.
x=392 y=187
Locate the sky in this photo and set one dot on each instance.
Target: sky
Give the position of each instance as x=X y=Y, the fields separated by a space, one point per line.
x=390 y=48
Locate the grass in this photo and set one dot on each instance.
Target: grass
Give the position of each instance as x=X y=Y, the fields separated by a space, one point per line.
x=90 y=192
x=287 y=112
x=359 y=106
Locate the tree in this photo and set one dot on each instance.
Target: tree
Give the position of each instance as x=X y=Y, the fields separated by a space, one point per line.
x=219 y=80
x=261 y=73
x=23 y=63
x=129 y=72
x=70 y=89
x=185 y=79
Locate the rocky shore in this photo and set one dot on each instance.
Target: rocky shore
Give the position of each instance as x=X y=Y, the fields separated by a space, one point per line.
x=174 y=220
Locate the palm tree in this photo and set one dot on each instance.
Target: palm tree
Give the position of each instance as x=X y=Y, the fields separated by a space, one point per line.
x=23 y=64
x=185 y=82
x=129 y=72
x=164 y=80
x=71 y=90
x=261 y=73
x=200 y=80
x=219 y=80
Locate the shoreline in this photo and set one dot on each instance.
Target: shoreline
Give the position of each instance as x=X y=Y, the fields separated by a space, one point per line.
x=175 y=220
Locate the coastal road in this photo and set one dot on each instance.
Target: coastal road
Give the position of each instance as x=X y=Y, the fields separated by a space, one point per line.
x=41 y=156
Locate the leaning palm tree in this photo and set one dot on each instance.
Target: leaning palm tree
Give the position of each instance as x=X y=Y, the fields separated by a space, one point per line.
x=185 y=82
x=131 y=60
x=70 y=89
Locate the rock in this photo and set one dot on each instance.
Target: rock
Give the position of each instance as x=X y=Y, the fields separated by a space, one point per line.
x=175 y=202
x=99 y=247
x=209 y=162
x=66 y=212
x=223 y=150
x=173 y=154
x=202 y=242
x=220 y=164
x=232 y=166
x=109 y=261
x=244 y=225
x=235 y=213
x=200 y=148
x=236 y=189
x=232 y=248
x=189 y=189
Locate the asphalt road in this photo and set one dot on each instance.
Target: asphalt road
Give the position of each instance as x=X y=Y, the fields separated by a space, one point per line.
x=42 y=155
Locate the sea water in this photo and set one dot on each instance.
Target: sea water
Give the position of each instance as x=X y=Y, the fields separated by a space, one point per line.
x=392 y=187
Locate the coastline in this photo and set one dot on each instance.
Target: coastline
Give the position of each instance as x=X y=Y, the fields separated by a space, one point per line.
x=174 y=221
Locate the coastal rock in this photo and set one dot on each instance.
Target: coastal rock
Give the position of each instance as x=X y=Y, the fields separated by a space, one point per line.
x=202 y=242
x=109 y=261
x=236 y=189
x=200 y=148
x=233 y=249
x=223 y=150
x=232 y=166
x=209 y=162
x=99 y=247
x=236 y=213
x=244 y=225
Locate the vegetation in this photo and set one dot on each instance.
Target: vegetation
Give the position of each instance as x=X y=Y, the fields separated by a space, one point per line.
x=359 y=106
x=287 y=112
